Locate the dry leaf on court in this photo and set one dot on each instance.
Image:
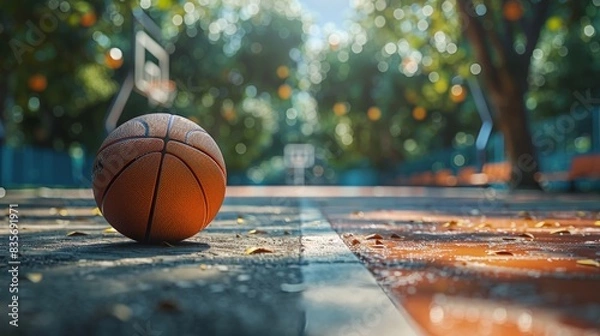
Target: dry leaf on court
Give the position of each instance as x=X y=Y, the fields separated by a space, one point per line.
x=76 y=233
x=34 y=277
x=257 y=250
x=240 y=219
x=542 y=224
x=502 y=253
x=527 y=235
x=355 y=242
x=588 y=262
x=96 y=211
x=257 y=231
x=373 y=236
x=109 y=230
x=560 y=231
x=395 y=236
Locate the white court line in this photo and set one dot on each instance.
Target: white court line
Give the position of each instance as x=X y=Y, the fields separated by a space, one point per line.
x=341 y=297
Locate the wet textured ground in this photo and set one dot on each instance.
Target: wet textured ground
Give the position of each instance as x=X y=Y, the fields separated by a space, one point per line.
x=78 y=277
x=489 y=265
x=453 y=261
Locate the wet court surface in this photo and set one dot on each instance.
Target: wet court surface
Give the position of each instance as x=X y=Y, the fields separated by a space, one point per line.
x=448 y=261
x=495 y=265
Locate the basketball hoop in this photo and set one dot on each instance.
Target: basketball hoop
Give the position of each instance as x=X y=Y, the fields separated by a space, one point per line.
x=161 y=92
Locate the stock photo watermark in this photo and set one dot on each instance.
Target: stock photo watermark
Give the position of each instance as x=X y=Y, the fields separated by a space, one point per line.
x=37 y=30
x=13 y=264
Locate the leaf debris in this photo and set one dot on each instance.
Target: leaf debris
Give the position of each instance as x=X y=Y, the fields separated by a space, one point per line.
x=588 y=262
x=560 y=231
x=76 y=234
x=34 y=277
x=256 y=231
x=373 y=236
x=257 y=250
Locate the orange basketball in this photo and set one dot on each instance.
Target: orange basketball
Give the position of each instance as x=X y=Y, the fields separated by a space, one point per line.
x=159 y=177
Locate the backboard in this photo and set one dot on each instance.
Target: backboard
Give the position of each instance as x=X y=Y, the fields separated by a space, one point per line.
x=150 y=74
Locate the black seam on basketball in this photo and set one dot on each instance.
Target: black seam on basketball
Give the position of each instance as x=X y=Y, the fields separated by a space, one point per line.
x=199 y=185
x=146 y=126
x=157 y=183
x=125 y=139
x=115 y=176
x=222 y=169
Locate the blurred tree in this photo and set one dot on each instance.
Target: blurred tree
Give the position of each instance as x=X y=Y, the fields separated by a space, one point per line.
x=392 y=91
x=500 y=38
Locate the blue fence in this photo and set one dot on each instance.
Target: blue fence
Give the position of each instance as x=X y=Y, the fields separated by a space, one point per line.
x=30 y=166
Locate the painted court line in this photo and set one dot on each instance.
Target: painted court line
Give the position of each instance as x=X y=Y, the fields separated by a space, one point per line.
x=341 y=295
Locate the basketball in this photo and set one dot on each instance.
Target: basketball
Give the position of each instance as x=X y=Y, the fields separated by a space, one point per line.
x=159 y=178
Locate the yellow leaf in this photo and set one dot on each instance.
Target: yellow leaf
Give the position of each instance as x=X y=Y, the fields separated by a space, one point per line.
x=256 y=231
x=588 y=262
x=96 y=211
x=34 y=277
x=109 y=230
x=256 y=250
x=76 y=233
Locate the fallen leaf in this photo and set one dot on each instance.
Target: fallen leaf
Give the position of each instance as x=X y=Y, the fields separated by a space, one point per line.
x=203 y=267
x=527 y=235
x=395 y=236
x=240 y=219
x=588 y=262
x=237 y=235
x=34 y=277
x=109 y=230
x=373 y=236
x=292 y=288
x=484 y=225
x=378 y=242
x=509 y=238
x=286 y=232
x=581 y=214
x=96 y=212
x=168 y=306
x=542 y=224
x=121 y=312
x=378 y=246
x=256 y=231
x=597 y=223
x=76 y=233
x=63 y=212
x=560 y=231
x=348 y=235
x=504 y=253
x=355 y=242
x=166 y=244
x=450 y=224
x=257 y=250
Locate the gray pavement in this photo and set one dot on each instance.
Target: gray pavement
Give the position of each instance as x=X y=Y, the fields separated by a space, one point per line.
x=78 y=278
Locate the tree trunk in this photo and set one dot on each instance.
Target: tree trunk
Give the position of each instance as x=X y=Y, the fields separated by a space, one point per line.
x=514 y=125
